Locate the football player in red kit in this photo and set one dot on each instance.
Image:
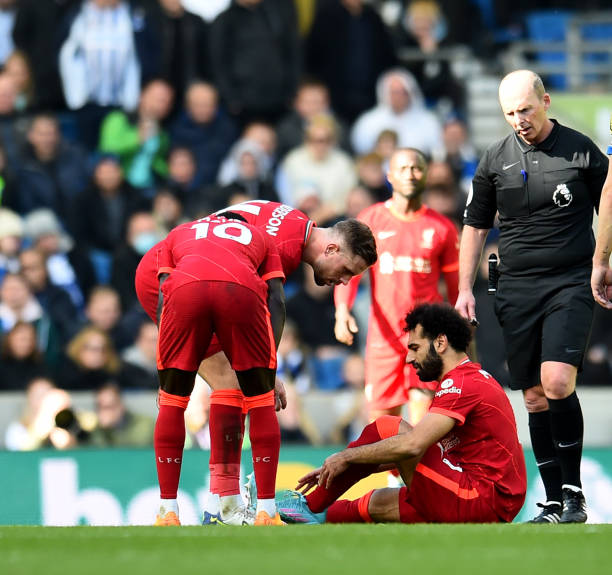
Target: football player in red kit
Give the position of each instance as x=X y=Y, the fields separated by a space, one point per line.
x=462 y=463
x=416 y=247
x=336 y=254
x=223 y=277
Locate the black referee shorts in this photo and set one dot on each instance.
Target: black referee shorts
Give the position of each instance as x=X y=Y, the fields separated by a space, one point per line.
x=543 y=319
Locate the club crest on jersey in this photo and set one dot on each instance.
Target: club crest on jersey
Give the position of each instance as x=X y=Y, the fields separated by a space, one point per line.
x=446 y=383
x=427 y=238
x=562 y=196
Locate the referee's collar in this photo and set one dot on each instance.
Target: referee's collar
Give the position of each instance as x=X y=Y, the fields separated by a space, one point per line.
x=546 y=144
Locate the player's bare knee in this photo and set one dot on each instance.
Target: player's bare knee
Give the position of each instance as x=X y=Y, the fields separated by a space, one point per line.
x=256 y=381
x=176 y=381
x=383 y=506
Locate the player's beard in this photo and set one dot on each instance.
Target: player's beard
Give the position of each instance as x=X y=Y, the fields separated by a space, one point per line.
x=431 y=367
x=416 y=192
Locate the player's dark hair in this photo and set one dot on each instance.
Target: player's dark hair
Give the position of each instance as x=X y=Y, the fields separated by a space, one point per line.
x=233 y=216
x=358 y=238
x=441 y=319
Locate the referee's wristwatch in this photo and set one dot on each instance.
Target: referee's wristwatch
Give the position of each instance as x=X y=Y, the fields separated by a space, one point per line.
x=609 y=152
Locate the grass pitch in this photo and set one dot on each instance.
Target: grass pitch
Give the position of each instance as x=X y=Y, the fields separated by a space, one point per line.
x=294 y=550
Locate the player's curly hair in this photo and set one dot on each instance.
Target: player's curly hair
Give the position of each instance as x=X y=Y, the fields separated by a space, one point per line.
x=358 y=239
x=440 y=318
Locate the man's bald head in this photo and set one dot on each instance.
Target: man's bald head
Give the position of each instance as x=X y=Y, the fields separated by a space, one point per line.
x=522 y=79
x=525 y=103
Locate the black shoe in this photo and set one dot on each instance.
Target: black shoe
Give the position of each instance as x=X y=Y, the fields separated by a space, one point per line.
x=574 y=507
x=551 y=513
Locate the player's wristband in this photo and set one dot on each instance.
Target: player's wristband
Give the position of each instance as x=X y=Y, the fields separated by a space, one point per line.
x=609 y=151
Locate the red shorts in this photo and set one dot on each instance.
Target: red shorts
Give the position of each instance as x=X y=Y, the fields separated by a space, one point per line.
x=442 y=493
x=388 y=377
x=193 y=312
x=147 y=288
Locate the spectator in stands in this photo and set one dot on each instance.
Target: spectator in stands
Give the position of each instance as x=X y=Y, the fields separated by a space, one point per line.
x=442 y=193
x=386 y=144
x=140 y=359
x=54 y=300
x=173 y=45
x=321 y=162
x=312 y=99
x=103 y=212
x=313 y=312
x=423 y=27
x=13 y=130
x=254 y=50
x=8 y=11
x=68 y=264
x=141 y=142
x=17 y=303
x=372 y=176
x=141 y=235
x=39 y=32
x=17 y=67
x=359 y=198
x=182 y=175
x=251 y=180
x=261 y=134
x=31 y=430
x=11 y=235
x=117 y=426
x=205 y=129
x=103 y=311
x=52 y=173
x=400 y=108
x=20 y=358
x=91 y=360
x=460 y=153
x=292 y=358
x=99 y=65
x=348 y=48
x=168 y=210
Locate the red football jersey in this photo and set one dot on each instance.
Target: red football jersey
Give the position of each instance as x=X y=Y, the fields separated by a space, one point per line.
x=484 y=442
x=289 y=228
x=412 y=253
x=218 y=249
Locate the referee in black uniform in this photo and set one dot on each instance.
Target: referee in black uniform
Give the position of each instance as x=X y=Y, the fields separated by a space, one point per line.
x=544 y=180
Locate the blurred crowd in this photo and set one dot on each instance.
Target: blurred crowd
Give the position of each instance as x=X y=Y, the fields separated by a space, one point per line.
x=121 y=119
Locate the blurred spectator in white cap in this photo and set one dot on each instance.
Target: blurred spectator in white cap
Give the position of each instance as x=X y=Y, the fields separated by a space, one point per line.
x=11 y=235
x=68 y=265
x=400 y=108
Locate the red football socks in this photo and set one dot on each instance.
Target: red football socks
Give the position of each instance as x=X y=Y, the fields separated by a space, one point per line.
x=321 y=498
x=345 y=511
x=226 y=432
x=168 y=442
x=265 y=442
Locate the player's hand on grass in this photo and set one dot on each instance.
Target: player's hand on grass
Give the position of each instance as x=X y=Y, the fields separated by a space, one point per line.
x=345 y=326
x=308 y=481
x=333 y=466
x=280 y=395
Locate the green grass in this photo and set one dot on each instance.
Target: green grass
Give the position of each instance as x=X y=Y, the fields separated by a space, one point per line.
x=295 y=550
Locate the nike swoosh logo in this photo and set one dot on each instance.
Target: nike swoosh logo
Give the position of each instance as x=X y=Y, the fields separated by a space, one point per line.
x=385 y=235
x=565 y=445
x=541 y=463
x=568 y=350
x=509 y=166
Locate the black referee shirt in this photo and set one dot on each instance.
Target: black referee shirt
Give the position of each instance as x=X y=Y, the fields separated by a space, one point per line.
x=545 y=195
